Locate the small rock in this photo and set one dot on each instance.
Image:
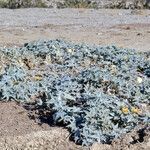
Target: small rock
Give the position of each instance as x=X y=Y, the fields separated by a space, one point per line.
x=127 y=28
x=139 y=34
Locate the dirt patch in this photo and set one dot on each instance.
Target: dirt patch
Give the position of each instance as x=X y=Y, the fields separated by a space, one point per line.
x=14 y=121
x=18 y=131
x=122 y=36
x=123 y=28
x=55 y=139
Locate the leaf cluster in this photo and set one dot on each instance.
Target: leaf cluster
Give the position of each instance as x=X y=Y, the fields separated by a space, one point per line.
x=98 y=93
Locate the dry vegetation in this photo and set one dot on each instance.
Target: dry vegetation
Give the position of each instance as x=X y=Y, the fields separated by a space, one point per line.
x=125 y=4
x=21 y=3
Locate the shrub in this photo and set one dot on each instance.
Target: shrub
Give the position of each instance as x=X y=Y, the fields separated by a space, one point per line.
x=21 y=3
x=98 y=93
x=77 y=4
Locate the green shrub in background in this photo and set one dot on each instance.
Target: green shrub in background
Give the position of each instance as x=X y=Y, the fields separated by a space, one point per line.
x=77 y=4
x=3 y=3
x=113 y=4
x=21 y=3
x=119 y=4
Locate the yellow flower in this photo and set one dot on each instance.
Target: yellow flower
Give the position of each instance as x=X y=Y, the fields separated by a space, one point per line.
x=135 y=110
x=139 y=80
x=113 y=69
x=20 y=62
x=125 y=110
x=70 y=51
x=126 y=58
x=38 y=77
x=48 y=59
x=31 y=65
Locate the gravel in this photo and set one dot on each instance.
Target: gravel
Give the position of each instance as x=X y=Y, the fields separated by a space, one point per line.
x=37 y=17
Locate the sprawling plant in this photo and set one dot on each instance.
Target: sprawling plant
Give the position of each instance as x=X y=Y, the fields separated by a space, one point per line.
x=98 y=92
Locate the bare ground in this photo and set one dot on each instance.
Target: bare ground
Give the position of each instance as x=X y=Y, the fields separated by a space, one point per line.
x=19 y=132
x=124 y=28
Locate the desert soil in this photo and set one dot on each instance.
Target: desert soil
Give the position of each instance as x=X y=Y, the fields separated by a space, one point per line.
x=123 y=28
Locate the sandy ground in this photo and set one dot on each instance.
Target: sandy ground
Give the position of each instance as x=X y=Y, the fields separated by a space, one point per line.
x=19 y=132
x=124 y=28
